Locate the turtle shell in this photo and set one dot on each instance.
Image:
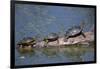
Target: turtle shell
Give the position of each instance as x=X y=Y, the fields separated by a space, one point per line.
x=27 y=41
x=52 y=36
x=73 y=31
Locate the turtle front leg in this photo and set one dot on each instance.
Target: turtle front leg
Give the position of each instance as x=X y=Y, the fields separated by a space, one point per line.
x=46 y=43
x=66 y=39
x=83 y=34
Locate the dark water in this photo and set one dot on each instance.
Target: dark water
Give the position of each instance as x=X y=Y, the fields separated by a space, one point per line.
x=49 y=55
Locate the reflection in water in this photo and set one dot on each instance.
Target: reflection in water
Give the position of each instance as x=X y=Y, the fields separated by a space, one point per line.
x=50 y=52
x=74 y=54
x=62 y=54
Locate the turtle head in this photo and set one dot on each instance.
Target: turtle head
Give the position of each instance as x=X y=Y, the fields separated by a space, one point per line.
x=65 y=35
x=45 y=40
x=33 y=39
x=82 y=24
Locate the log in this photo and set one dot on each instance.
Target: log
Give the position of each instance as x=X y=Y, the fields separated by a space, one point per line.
x=75 y=40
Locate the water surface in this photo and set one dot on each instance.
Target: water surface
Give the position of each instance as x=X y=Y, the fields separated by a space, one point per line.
x=65 y=54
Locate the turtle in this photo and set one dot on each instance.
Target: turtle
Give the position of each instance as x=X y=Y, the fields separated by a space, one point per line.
x=75 y=31
x=51 y=37
x=27 y=42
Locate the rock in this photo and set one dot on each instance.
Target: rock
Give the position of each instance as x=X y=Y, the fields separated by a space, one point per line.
x=40 y=44
x=80 y=39
x=75 y=40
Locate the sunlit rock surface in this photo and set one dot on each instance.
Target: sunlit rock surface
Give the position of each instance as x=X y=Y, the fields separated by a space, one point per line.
x=75 y=40
x=79 y=39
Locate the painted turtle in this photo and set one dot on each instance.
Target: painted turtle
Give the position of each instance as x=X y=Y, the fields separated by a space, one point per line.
x=26 y=42
x=51 y=37
x=75 y=31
